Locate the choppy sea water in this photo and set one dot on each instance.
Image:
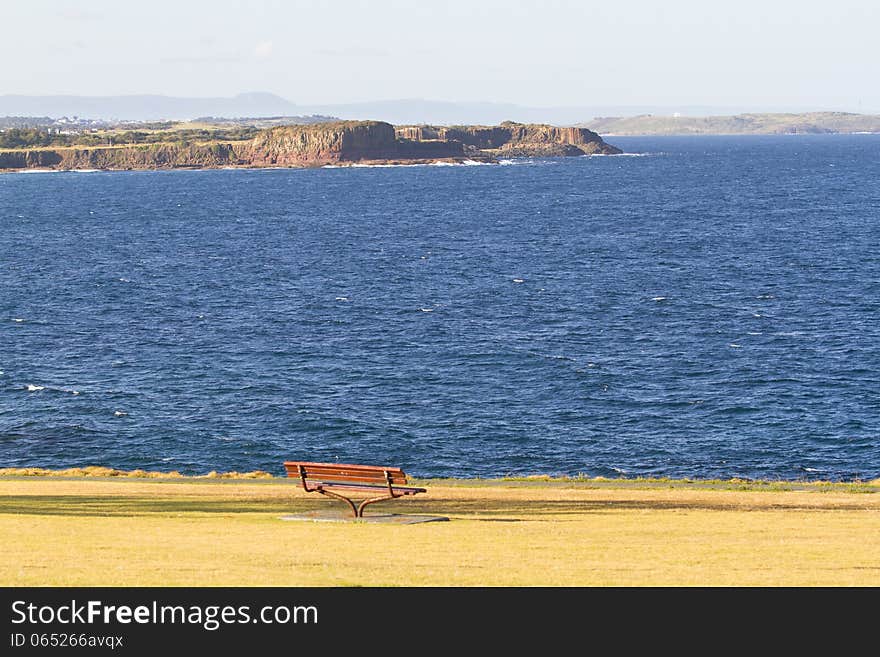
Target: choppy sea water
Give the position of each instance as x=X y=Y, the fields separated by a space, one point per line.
x=708 y=308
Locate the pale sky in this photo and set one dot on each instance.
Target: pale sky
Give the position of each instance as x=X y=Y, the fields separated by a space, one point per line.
x=758 y=53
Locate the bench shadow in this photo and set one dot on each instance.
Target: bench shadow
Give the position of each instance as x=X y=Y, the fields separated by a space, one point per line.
x=476 y=509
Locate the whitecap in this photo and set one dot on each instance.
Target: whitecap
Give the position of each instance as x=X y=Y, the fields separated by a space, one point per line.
x=518 y=280
x=17 y=319
x=658 y=298
x=342 y=299
x=619 y=470
x=120 y=413
x=427 y=310
x=755 y=333
x=812 y=470
x=735 y=346
x=622 y=154
x=32 y=388
x=124 y=280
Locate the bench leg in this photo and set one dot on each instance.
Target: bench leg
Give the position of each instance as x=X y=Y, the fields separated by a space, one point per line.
x=360 y=509
x=354 y=509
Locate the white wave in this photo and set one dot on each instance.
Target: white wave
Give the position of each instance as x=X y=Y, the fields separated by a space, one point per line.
x=84 y=170
x=17 y=319
x=623 y=154
x=758 y=315
x=124 y=280
x=755 y=333
x=120 y=413
x=475 y=163
x=658 y=298
x=32 y=388
x=359 y=165
x=735 y=346
x=168 y=458
x=427 y=310
x=2 y=372
x=36 y=171
x=620 y=470
x=812 y=470
x=518 y=280
x=789 y=334
x=342 y=299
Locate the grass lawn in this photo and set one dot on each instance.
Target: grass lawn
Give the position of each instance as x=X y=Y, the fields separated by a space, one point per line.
x=182 y=532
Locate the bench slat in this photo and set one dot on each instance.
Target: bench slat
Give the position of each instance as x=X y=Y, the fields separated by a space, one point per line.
x=403 y=490
x=345 y=472
x=345 y=466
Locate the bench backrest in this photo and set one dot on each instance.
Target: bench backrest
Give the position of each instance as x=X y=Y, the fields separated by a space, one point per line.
x=343 y=472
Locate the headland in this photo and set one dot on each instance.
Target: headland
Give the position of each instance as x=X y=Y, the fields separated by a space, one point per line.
x=310 y=145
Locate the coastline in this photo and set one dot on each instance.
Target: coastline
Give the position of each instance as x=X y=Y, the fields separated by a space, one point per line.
x=340 y=143
x=736 y=483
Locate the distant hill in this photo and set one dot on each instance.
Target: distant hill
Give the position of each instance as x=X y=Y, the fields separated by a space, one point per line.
x=146 y=107
x=740 y=124
x=264 y=105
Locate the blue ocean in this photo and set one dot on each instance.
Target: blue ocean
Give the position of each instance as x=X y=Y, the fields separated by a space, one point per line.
x=700 y=307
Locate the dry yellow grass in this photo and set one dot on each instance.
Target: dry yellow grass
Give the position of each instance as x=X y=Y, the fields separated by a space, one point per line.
x=182 y=532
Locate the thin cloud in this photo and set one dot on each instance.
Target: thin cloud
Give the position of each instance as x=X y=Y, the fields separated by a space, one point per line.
x=263 y=49
x=355 y=51
x=78 y=15
x=209 y=59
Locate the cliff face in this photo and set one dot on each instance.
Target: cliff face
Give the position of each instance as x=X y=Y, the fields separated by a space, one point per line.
x=325 y=143
x=516 y=139
x=154 y=156
x=321 y=143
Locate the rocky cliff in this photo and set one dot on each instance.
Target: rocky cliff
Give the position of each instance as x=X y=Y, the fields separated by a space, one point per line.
x=325 y=143
x=516 y=139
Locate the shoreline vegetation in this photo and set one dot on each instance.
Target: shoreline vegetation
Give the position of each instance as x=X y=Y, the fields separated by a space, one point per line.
x=305 y=145
x=113 y=530
x=735 y=483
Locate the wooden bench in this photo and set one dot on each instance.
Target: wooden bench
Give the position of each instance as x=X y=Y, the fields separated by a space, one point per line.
x=334 y=479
